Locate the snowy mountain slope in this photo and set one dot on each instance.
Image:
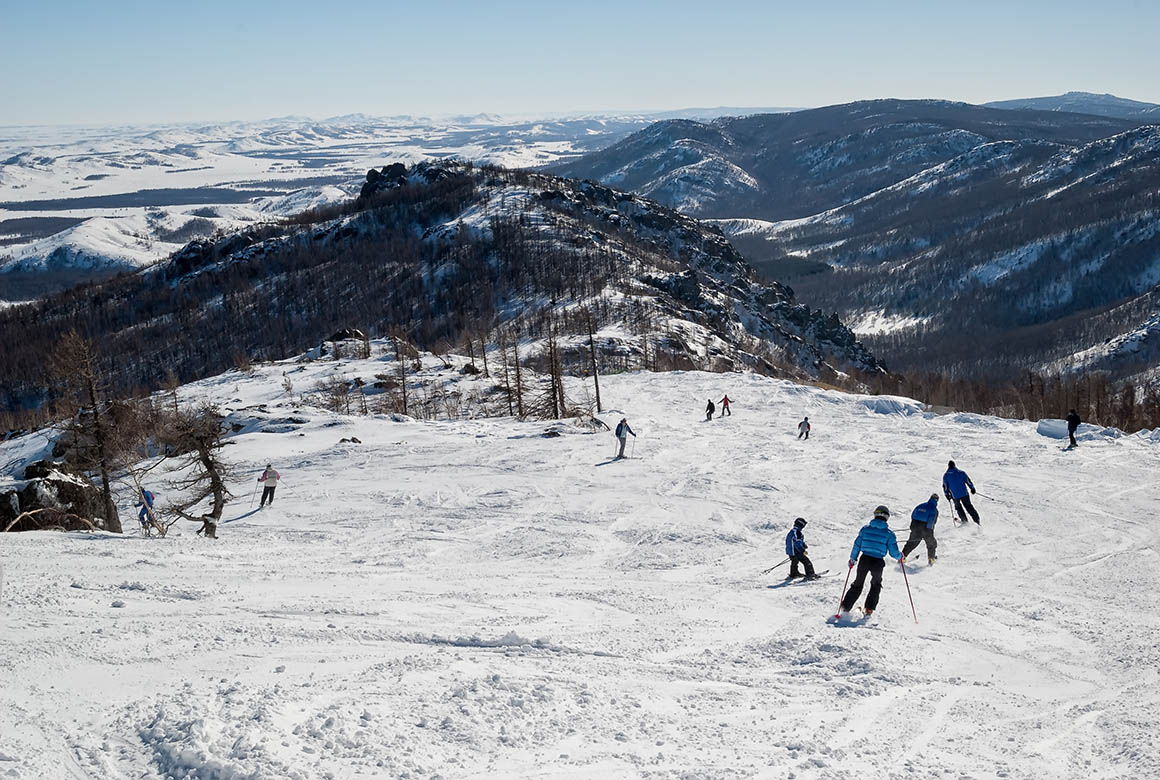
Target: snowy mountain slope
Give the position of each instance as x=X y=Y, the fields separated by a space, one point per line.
x=1031 y=232
x=455 y=250
x=124 y=172
x=1086 y=103
x=471 y=599
x=789 y=166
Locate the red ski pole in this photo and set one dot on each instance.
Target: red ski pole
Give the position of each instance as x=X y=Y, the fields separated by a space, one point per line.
x=838 y=614
x=902 y=566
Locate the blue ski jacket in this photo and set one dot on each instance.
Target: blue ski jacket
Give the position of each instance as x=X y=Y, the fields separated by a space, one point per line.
x=795 y=542
x=956 y=482
x=875 y=541
x=926 y=512
x=622 y=431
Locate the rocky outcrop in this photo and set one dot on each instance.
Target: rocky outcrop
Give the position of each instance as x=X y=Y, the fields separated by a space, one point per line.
x=61 y=498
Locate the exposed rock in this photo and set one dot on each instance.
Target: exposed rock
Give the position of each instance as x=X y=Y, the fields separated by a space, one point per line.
x=347 y=334
x=49 y=486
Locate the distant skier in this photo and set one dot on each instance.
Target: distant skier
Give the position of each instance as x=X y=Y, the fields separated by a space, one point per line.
x=795 y=548
x=875 y=541
x=804 y=429
x=725 y=407
x=709 y=411
x=146 y=504
x=955 y=485
x=622 y=431
x=270 y=479
x=1073 y=422
x=922 y=521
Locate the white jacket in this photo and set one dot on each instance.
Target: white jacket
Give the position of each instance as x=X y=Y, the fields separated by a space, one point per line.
x=804 y=426
x=270 y=477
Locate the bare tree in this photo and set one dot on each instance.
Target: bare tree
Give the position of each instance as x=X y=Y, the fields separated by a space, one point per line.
x=197 y=434
x=75 y=368
x=592 y=354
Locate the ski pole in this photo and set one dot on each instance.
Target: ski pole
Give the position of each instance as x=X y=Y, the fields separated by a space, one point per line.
x=771 y=568
x=633 y=452
x=253 y=493
x=902 y=566
x=984 y=495
x=843 y=598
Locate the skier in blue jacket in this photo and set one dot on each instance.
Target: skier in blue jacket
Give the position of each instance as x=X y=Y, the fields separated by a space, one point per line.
x=795 y=548
x=146 y=503
x=922 y=521
x=875 y=541
x=956 y=485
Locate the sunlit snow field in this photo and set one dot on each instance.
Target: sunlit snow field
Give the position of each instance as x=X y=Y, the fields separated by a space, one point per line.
x=472 y=599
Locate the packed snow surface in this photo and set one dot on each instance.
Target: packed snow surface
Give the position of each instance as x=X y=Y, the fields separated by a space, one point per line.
x=471 y=599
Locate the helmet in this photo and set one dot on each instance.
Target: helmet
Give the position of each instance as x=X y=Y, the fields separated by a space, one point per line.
x=799 y=523
x=950 y=464
x=934 y=496
x=882 y=511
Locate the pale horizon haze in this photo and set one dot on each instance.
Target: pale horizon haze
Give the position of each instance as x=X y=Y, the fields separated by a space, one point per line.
x=81 y=63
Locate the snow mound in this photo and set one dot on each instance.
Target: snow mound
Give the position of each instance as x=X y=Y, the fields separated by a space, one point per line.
x=888 y=404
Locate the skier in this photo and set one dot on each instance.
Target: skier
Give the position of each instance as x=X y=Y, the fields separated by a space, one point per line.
x=709 y=411
x=146 y=504
x=270 y=477
x=725 y=407
x=875 y=541
x=795 y=548
x=1073 y=422
x=622 y=431
x=922 y=521
x=955 y=486
x=804 y=428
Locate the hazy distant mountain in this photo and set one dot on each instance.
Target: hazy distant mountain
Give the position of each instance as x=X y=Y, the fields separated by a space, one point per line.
x=785 y=166
x=1086 y=103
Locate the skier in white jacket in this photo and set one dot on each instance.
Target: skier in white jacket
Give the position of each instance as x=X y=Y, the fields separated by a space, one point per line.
x=804 y=429
x=270 y=479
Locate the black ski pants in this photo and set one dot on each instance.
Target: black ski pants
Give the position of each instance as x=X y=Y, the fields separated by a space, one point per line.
x=267 y=494
x=804 y=435
x=919 y=532
x=963 y=506
x=1071 y=436
x=623 y=441
x=866 y=565
x=804 y=560
x=725 y=411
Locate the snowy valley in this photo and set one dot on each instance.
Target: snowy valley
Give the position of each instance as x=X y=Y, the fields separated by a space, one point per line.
x=470 y=598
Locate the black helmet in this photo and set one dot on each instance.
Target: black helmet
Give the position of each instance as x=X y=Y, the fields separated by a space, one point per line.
x=799 y=523
x=950 y=464
x=882 y=511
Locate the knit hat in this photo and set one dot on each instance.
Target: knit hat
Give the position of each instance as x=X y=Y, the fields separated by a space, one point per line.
x=799 y=523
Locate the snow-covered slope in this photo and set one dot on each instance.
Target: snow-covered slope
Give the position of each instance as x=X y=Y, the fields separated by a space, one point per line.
x=238 y=171
x=471 y=599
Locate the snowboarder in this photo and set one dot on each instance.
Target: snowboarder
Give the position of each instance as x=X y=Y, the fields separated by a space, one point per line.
x=804 y=429
x=270 y=478
x=709 y=411
x=875 y=541
x=795 y=548
x=955 y=485
x=1073 y=422
x=146 y=504
x=622 y=431
x=725 y=407
x=922 y=521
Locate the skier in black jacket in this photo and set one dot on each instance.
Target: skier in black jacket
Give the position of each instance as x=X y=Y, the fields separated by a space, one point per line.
x=709 y=411
x=1073 y=422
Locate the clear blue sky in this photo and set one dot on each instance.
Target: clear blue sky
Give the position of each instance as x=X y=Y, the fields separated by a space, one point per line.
x=90 y=62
